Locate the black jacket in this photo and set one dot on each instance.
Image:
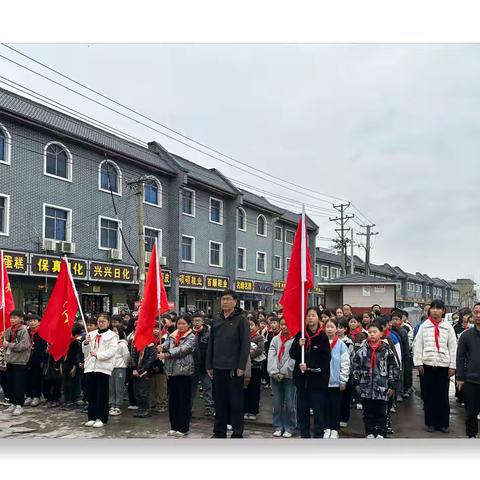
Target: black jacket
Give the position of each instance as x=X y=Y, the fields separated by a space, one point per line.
x=39 y=351
x=200 y=353
x=229 y=343
x=318 y=357
x=404 y=345
x=146 y=363
x=74 y=355
x=468 y=356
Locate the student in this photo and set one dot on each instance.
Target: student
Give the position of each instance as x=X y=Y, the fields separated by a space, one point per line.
x=374 y=375
x=158 y=379
x=116 y=382
x=311 y=377
x=339 y=373
x=376 y=310
x=347 y=310
x=397 y=324
x=273 y=329
x=408 y=361
x=52 y=380
x=434 y=355
x=35 y=363
x=16 y=343
x=358 y=336
x=339 y=313
x=367 y=319
x=280 y=369
x=345 y=395
x=71 y=372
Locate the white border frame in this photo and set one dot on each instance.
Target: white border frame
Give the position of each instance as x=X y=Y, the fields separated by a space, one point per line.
x=68 y=226
x=292 y=231
x=8 y=146
x=210 y=254
x=244 y=259
x=194 y=202
x=287 y=263
x=328 y=272
x=281 y=262
x=256 y=262
x=245 y=219
x=266 y=226
x=281 y=231
x=160 y=192
x=6 y=233
x=69 y=162
x=336 y=270
x=119 y=175
x=119 y=235
x=160 y=238
x=193 y=249
x=210 y=210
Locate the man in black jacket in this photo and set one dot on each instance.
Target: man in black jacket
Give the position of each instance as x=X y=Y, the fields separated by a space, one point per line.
x=468 y=372
x=35 y=363
x=227 y=356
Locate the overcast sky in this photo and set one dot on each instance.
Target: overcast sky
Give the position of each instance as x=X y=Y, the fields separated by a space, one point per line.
x=395 y=129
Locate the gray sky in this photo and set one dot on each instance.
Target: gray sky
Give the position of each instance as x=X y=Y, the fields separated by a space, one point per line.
x=392 y=128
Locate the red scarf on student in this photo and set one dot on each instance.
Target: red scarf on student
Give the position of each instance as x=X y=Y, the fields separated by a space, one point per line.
x=156 y=341
x=386 y=332
x=373 y=358
x=283 y=340
x=32 y=335
x=72 y=339
x=355 y=332
x=253 y=334
x=334 y=342
x=310 y=337
x=199 y=331
x=178 y=336
x=436 y=332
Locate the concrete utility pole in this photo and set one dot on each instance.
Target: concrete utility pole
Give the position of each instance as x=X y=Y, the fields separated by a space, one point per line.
x=352 y=266
x=342 y=221
x=368 y=234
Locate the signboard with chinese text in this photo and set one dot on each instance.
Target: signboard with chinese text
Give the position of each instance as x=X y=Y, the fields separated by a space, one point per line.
x=265 y=288
x=191 y=280
x=167 y=277
x=16 y=262
x=214 y=282
x=49 y=266
x=279 y=285
x=244 y=285
x=111 y=272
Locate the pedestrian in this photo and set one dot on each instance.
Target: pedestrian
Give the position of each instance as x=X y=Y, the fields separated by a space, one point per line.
x=347 y=310
x=16 y=343
x=408 y=361
x=71 y=371
x=52 y=380
x=358 y=336
x=397 y=324
x=227 y=356
x=339 y=374
x=257 y=357
x=435 y=350
x=273 y=329
x=339 y=313
x=311 y=376
x=99 y=349
x=280 y=369
x=367 y=319
x=132 y=401
x=177 y=355
x=116 y=381
x=468 y=372
x=158 y=379
x=3 y=374
x=35 y=363
x=374 y=374
x=376 y=310
x=345 y=395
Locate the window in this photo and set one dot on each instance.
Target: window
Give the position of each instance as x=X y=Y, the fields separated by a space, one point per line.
x=261 y=262
x=188 y=202
x=278 y=233
x=57 y=223
x=428 y=290
x=289 y=236
x=57 y=161
x=5 y=144
x=317 y=270
x=109 y=233
x=277 y=262
x=242 y=258
x=334 y=272
x=151 y=236
x=188 y=249
x=287 y=263
x=152 y=193
x=324 y=271
x=216 y=211
x=261 y=226
x=216 y=254
x=242 y=220
x=4 y=215
x=419 y=288
x=109 y=177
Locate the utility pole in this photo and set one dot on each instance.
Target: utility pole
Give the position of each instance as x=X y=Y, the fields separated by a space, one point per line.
x=352 y=266
x=368 y=234
x=342 y=221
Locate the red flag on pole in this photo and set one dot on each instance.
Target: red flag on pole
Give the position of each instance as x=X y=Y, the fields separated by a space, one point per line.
x=58 y=318
x=6 y=297
x=299 y=281
x=154 y=303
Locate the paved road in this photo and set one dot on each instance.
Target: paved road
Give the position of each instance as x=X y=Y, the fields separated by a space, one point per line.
x=41 y=422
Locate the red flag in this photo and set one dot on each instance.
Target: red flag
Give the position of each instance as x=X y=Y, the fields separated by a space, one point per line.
x=292 y=295
x=58 y=318
x=154 y=303
x=6 y=298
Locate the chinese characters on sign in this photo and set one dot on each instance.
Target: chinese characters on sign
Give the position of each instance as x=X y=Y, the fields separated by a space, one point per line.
x=167 y=278
x=216 y=282
x=279 y=285
x=48 y=266
x=15 y=262
x=192 y=280
x=244 y=285
x=109 y=272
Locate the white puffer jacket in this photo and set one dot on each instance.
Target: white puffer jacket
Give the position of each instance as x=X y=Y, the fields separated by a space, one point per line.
x=106 y=349
x=425 y=350
x=122 y=356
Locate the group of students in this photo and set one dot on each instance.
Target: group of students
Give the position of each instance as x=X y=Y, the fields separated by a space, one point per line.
x=343 y=361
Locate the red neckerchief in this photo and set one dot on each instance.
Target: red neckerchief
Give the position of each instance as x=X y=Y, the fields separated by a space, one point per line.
x=199 y=331
x=283 y=340
x=253 y=334
x=178 y=336
x=266 y=331
x=73 y=339
x=373 y=358
x=355 y=332
x=156 y=341
x=386 y=332
x=334 y=342
x=32 y=335
x=97 y=341
x=310 y=337
x=436 y=332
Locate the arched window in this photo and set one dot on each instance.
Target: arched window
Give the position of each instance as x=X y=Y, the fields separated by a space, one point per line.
x=5 y=143
x=242 y=220
x=261 y=226
x=110 y=177
x=152 y=192
x=58 y=161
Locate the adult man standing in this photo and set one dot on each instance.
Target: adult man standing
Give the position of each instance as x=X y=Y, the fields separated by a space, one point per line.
x=468 y=372
x=227 y=356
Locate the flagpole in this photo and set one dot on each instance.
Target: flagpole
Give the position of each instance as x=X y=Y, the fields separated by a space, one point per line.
x=76 y=293
x=157 y=275
x=4 y=321
x=303 y=278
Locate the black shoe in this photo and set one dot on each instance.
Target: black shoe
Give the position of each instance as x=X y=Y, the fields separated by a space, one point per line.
x=236 y=435
x=430 y=429
x=218 y=436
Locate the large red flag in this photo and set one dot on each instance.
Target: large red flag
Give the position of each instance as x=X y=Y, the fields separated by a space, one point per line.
x=6 y=297
x=298 y=277
x=154 y=303
x=58 y=318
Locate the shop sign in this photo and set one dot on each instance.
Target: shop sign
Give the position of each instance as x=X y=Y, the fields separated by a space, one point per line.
x=214 y=282
x=16 y=262
x=244 y=285
x=318 y=290
x=96 y=289
x=167 y=277
x=279 y=285
x=110 y=272
x=265 y=288
x=49 y=266
x=191 y=280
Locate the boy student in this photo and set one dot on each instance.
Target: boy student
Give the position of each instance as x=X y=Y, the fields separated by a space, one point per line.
x=374 y=376
x=35 y=364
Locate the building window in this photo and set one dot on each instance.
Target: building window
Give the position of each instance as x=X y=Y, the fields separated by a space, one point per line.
x=278 y=233
x=261 y=226
x=242 y=220
x=4 y=215
x=110 y=177
x=317 y=270
x=277 y=262
x=334 y=272
x=216 y=254
x=188 y=249
x=109 y=233
x=289 y=236
x=287 y=263
x=57 y=223
x=58 y=161
x=151 y=236
x=5 y=145
x=152 y=193
x=419 y=288
x=428 y=290
x=216 y=211
x=188 y=202
x=242 y=258
x=261 y=262
x=324 y=271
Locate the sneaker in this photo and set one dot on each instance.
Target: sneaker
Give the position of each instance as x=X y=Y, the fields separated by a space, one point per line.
x=399 y=399
x=370 y=435
x=180 y=434
x=379 y=436
x=333 y=434
x=393 y=410
x=344 y=424
x=430 y=428
x=326 y=433
x=171 y=433
x=112 y=412
x=253 y=417
x=246 y=416
x=132 y=407
x=229 y=428
x=35 y=402
x=5 y=402
x=390 y=430
x=277 y=433
x=406 y=395
x=17 y=411
x=10 y=409
x=98 y=423
x=359 y=406
x=27 y=402
x=287 y=435
x=119 y=411
x=90 y=423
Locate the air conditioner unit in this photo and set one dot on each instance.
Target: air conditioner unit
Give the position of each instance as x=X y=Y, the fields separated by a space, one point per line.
x=49 y=245
x=115 y=254
x=148 y=257
x=161 y=260
x=67 y=247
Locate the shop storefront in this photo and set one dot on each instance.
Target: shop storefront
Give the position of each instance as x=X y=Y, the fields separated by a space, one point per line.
x=253 y=294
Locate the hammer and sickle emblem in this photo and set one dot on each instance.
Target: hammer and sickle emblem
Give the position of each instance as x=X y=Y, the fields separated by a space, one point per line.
x=65 y=312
